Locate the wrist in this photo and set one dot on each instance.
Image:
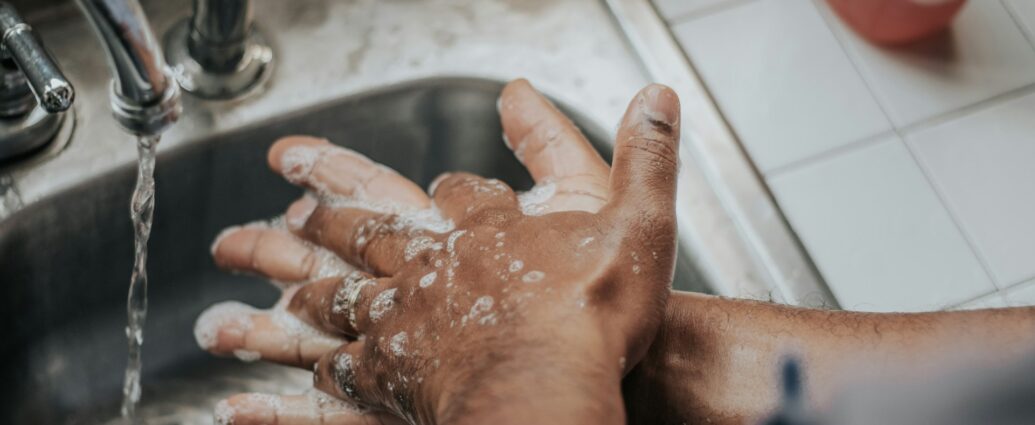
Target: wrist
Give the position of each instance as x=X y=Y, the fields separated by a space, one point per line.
x=663 y=378
x=533 y=382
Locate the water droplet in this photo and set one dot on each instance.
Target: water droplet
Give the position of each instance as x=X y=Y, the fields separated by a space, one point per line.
x=533 y=276
x=428 y=279
x=516 y=266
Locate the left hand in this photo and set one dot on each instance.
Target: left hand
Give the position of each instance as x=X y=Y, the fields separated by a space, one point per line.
x=583 y=286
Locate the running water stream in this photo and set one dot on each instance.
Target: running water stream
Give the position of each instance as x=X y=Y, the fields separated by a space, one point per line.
x=141 y=209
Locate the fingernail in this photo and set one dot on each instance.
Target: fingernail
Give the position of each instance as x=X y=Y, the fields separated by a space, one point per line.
x=219 y=238
x=434 y=183
x=658 y=105
x=298 y=213
x=228 y=317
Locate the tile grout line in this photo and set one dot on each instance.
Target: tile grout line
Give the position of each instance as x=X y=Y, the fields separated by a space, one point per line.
x=851 y=146
x=968 y=110
x=828 y=154
x=983 y=295
x=702 y=12
x=967 y=238
x=957 y=114
x=1020 y=24
x=826 y=15
x=1018 y=284
x=909 y=130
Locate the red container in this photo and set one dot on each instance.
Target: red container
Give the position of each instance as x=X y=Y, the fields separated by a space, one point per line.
x=896 y=21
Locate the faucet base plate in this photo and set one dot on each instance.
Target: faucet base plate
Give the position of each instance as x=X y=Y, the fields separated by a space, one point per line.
x=252 y=71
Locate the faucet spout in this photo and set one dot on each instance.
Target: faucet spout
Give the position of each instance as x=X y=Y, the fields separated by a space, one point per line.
x=145 y=98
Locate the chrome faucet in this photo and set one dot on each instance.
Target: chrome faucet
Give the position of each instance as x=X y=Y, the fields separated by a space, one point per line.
x=218 y=53
x=33 y=91
x=145 y=98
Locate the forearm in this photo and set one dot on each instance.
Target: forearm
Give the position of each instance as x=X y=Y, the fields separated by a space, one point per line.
x=717 y=359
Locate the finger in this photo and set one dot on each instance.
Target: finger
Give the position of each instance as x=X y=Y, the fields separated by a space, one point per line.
x=375 y=241
x=328 y=304
x=463 y=195
x=347 y=374
x=275 y=254
x=314 y=407
x=646 y=162
x=553 y=149
x=327 y=168
x=233 y=328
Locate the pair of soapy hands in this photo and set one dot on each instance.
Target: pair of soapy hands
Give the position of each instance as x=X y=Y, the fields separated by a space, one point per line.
x=474 y=302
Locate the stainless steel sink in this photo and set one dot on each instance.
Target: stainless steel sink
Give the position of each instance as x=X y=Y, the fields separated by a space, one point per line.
x=67 y=258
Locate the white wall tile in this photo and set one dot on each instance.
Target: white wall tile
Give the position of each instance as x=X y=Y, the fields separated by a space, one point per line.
x=674 y=9
x=984 y=166
x=984 y=55
x=1022 y=295
x=877 y=231
x=781 y=79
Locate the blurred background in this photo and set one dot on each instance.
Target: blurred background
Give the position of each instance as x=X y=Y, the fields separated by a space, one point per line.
x=906 y=170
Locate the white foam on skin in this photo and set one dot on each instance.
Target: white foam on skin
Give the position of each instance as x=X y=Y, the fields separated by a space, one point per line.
x=406 y=217
x=247 y=356
x=276 y=222
x=344 y=375
x=533 y=276
x=329 y=264
x=297 y=162
x=269 y=400
x=224 y=413
x=326 y=403
x=218 y=316
x=382 y=304
x=341 y=296
x=534 y=201
x=398 y=344
x=418 y=245
x=451 y=242
x=248 y=405
x=295 y=327
x=516 y=266
x=480 y=312
x=428 y=279
x=586 y=241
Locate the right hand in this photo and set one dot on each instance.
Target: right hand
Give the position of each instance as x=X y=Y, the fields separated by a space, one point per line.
x=554 y=150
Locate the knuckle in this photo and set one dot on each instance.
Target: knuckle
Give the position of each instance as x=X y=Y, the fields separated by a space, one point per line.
x=659 y=151
x=311 y=263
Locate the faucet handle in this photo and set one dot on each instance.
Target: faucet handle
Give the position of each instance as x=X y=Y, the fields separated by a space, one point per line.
x=19 y=42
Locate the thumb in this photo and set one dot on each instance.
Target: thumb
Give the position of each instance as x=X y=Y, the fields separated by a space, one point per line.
x=646 y=157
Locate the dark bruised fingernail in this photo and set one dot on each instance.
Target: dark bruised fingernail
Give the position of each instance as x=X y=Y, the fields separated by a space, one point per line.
x=657 y=105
